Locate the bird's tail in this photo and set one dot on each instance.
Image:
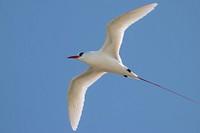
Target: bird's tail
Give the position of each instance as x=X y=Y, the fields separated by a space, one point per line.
x=159 y=86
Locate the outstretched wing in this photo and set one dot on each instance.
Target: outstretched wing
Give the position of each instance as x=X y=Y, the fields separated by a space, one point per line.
x=76 y=94
x=115 y=29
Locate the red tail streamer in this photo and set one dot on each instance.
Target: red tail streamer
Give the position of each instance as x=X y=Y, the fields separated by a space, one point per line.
x=167 y=89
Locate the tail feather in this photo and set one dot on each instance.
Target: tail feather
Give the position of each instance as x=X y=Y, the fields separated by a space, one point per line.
x=167 y=89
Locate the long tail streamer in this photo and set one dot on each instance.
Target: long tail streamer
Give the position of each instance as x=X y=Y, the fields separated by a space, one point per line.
x=167 y=89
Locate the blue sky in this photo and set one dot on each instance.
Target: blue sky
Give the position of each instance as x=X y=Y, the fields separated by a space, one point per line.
x=36 y=36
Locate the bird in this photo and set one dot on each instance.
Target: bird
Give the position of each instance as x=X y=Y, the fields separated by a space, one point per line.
x=105 y=60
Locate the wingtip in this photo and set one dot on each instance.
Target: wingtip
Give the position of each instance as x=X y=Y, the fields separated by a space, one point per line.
x=148 y=8
x=74 y=128
x=74 y=125
x=153 y=4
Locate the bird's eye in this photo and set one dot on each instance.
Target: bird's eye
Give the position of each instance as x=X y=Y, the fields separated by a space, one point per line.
x=81 y=53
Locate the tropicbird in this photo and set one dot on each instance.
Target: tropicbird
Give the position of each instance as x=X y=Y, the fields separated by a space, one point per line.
x=107 y=59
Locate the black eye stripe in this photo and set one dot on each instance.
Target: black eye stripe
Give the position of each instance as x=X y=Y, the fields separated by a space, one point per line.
x=80 y=54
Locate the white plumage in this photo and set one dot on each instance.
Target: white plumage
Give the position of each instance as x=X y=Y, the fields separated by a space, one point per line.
x=76 y=95
x=115 y=29
x=106 y=59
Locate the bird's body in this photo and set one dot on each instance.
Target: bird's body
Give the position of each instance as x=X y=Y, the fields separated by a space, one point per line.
x=102 y=62
x=106 y=59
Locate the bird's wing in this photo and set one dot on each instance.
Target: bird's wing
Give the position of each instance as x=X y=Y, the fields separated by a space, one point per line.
x=115 y=29
x=76 y=94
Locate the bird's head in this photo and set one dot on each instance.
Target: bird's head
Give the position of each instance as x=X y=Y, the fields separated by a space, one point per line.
x=86 y=57
x=77 y=56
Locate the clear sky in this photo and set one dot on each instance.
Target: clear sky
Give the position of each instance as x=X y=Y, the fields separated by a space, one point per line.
x=36 y=36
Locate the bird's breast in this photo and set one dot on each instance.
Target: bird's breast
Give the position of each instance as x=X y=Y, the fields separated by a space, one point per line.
x=104 y=62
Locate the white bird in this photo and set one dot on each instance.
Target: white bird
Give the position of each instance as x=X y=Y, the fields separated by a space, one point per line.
x=107 y=59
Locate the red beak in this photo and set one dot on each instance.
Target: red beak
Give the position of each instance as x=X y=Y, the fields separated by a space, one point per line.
x=74 y=57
